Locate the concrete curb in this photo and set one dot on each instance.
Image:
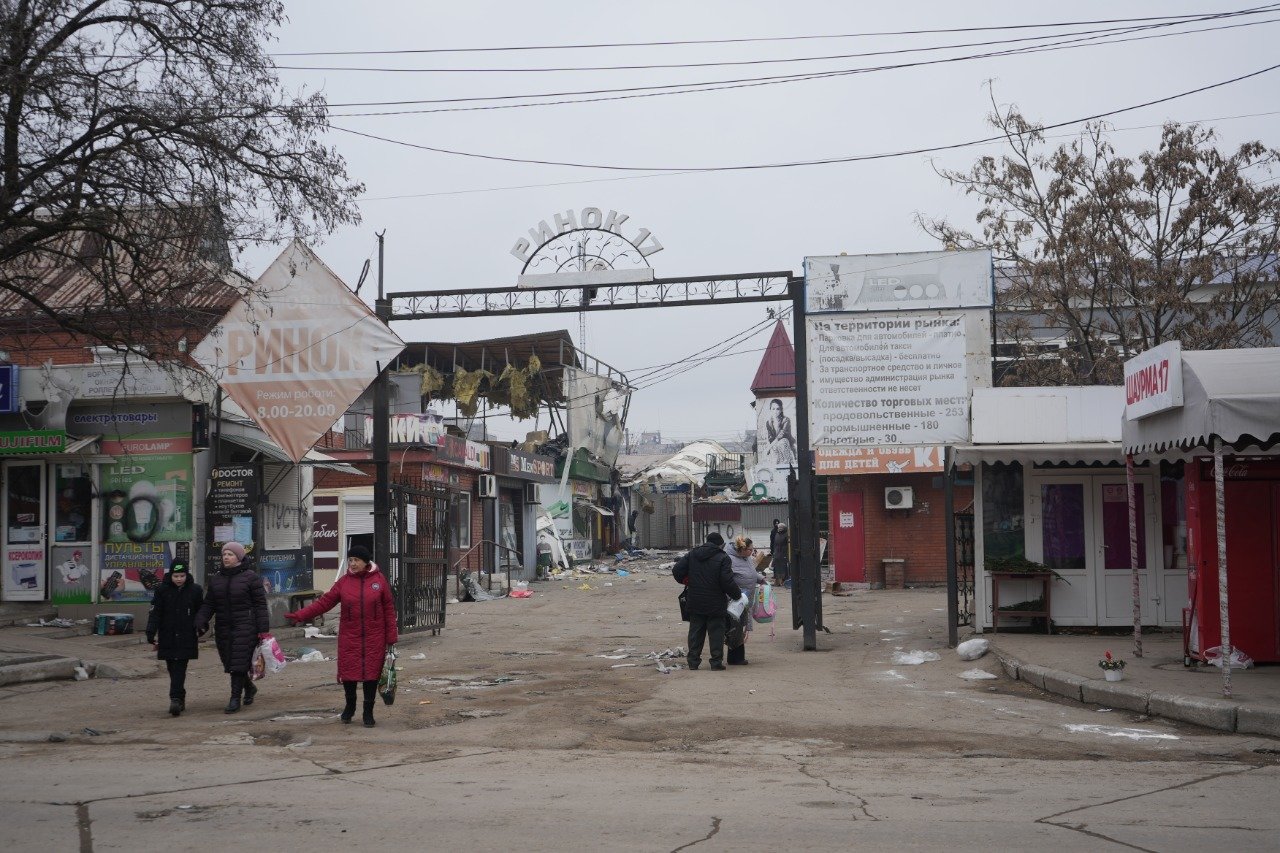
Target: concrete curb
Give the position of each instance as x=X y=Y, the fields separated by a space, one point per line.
x=53 y=669
x=1220 y=714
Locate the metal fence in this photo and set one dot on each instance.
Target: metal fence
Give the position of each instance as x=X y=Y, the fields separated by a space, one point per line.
x=964 y=567
x=420 y=556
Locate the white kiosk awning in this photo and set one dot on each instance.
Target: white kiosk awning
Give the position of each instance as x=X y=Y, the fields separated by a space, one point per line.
x=1232 y=394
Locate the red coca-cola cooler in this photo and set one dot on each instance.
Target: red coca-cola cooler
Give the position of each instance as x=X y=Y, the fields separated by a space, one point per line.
x=1253 y=557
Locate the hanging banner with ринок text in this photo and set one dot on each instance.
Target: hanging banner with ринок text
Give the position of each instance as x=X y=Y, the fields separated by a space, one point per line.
x=895 y=379
x=300 y=353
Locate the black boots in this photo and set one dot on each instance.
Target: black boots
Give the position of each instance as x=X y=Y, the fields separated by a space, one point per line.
x=176 y=706
x=250 y=690
x=368 y=714
x=237 y=687
x=349 y=710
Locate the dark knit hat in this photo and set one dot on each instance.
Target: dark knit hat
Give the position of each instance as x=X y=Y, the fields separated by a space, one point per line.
x=360 y=552
x=179 y=567
x=716 y=539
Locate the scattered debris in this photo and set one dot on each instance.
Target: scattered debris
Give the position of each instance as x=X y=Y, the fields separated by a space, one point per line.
x=82 y=674
x=479 y=715
x=976 y=675
x=302 y=744
x=914 y=658
x=1111 y=731
x=473 y=590
x=613 y=657
x=418 y=656
x=52 y=623
x=297 y=718
x=311 y=632
x=425 y=702
x=311 y=656
x=91 y=732
x=620 y=665
x=973 y=649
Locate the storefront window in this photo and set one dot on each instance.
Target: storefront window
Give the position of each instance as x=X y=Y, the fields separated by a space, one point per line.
x=73 y=505
x=23 y=516
x=462 y=521
x=1002 y=527
x=1063 y=525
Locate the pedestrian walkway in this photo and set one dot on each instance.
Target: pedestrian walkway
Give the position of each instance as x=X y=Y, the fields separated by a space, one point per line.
x=1157 y=683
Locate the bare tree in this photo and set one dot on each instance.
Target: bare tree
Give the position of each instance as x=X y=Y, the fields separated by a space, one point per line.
x=142 y=141
x=1108 y=256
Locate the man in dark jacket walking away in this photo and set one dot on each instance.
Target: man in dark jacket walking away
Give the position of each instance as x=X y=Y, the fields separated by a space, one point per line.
x=708 y=573
x=171 y=629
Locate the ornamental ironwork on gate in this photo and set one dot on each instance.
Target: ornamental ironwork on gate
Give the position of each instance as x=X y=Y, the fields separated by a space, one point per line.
x=419 y=555
x=964 y=567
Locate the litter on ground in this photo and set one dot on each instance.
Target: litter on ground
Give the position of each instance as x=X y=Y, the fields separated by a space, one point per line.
x=976 y=675
x=914 y=658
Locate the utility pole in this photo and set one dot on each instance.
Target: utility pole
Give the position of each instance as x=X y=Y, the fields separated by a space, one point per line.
x=807 y=535
x=382 y=439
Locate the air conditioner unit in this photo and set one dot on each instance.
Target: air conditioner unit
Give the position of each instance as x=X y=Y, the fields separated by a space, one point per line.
x=488 y=486
x=899 y=497
x=532 y=493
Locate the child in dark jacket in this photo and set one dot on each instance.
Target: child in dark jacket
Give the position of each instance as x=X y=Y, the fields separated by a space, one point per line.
x=171 y=629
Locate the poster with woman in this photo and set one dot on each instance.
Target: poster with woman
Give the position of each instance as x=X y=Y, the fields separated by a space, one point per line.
x=776 y=448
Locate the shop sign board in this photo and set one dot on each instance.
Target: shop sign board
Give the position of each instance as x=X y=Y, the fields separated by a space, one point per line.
x=325 y=543
x=32 y=442
x=148 y=489
x=1153 y=381
x=838 y=461
x=895 y=379
x=899 y=282
x=525 y=466
x=300 y=352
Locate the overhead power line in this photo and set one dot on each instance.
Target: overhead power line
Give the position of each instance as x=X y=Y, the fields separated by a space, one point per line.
x=495 y=102
x=720 y=63
x=796 y=163
x=755 y=40
x=677 y=174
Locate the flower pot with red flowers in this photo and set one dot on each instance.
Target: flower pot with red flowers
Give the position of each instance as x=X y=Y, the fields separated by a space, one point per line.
x=1112 y=667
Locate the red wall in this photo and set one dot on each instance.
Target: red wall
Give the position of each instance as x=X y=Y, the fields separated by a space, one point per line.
x=917 y=535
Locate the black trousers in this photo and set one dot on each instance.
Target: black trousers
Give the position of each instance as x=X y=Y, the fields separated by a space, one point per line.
x=177 y=678
x=710 y=629
x=370 y=691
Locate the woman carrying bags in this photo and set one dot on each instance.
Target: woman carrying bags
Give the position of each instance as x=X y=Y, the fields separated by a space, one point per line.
x=743 y=560
x=239 y=601
x=366 y=627
x=171 y=629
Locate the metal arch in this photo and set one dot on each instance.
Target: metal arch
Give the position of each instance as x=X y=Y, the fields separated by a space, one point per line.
x=606 y=238
x=659 y=293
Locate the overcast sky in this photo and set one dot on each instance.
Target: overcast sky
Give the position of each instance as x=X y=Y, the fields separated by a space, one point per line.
x=450 y=221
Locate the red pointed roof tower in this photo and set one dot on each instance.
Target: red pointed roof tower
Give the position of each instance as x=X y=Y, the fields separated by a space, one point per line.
x=777 y=371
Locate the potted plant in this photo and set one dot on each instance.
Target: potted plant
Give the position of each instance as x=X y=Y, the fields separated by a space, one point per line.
x=1112 y=667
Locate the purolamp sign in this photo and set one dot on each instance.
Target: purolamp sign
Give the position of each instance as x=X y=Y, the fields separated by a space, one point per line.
x=298 y=355
x=1153 y=381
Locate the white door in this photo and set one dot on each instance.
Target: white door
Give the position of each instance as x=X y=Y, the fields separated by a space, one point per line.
x=1112 y=572
x=24 y=512
x=1059 y=535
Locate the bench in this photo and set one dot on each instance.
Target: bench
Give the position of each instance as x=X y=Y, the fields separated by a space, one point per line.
x=301 y=598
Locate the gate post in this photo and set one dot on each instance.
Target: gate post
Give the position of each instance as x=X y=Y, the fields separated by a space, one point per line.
x=807 y=553
x=382 y=442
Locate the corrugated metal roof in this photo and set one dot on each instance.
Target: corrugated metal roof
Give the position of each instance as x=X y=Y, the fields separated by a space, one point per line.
x=73 y=274
x=777 y=371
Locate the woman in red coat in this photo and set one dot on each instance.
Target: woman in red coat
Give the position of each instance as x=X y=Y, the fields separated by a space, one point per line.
x=366 y=627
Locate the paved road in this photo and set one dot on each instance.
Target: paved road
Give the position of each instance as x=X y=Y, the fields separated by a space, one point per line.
x=513 y=733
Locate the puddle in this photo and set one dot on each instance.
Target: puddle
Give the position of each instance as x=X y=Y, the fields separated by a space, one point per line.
x=1112 y=731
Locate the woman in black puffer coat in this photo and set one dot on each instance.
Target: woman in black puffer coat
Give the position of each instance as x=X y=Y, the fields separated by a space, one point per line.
x=171 y=629
x=239 y=601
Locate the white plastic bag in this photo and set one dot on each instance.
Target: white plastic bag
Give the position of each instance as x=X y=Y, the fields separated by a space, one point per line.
x=914 y=658
x=1239 y=660
x=738 y=605
x=272 y=655
x=973 y=649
